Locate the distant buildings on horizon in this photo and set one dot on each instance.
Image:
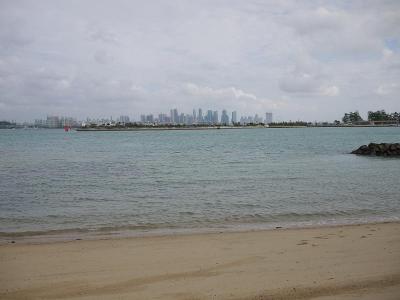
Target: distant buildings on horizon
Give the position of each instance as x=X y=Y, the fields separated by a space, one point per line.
x=210 y=117
x=56 y=122
x=198 y=117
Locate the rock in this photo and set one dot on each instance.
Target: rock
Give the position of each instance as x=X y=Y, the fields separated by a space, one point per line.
x=383 y=149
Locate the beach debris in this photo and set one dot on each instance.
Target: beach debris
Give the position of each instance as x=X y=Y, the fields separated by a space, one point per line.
x=383 y=149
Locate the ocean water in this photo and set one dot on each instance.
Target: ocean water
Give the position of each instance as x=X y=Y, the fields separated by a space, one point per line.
x=142 y=182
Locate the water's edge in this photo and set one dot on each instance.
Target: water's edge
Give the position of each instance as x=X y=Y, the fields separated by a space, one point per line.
x=55 y=236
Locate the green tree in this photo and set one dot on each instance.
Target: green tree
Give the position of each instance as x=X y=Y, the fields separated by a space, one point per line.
x=351 y=117
x=379 y=115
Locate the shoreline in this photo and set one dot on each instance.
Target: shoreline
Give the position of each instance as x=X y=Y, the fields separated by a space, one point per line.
x=69 y=235
x=340 y=262
x=225 y=127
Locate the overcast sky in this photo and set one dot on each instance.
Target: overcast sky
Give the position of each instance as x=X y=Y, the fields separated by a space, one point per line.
x=308 y=60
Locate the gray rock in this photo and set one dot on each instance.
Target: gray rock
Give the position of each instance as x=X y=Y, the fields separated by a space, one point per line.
x=383 y=149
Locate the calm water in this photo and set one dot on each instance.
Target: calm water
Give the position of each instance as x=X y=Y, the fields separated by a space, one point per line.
x=178 y=180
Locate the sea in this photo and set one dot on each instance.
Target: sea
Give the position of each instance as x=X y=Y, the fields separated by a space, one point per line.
x=56 y=184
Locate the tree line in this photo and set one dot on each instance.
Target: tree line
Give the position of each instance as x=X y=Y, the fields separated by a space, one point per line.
x=380 y=115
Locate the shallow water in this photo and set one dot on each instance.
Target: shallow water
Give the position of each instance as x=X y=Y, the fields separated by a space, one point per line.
x=53 y=181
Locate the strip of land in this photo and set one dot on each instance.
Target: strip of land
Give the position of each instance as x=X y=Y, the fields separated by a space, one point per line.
x=344 y=262
x=167 y=128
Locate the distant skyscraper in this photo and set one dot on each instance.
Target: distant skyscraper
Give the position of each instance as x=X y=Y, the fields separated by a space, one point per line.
x=209 y=117
x=194 y=115
x=176 y=116
x=224 y=117
x=142 y=119
x=149 y=118
x=163 y=118
x=215 y=117
x=268 y=118
x=234 y=117
x=200 y=116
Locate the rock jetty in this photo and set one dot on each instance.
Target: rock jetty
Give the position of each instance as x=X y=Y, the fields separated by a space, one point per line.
x=384 y=149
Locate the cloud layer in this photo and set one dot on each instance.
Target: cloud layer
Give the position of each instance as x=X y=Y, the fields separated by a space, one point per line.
x=300 y=60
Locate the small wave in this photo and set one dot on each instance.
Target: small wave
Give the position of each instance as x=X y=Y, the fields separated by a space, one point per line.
x=190 y=219
x=42 y=232
x=100 y=230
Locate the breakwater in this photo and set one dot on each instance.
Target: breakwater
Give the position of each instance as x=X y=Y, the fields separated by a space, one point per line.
x=383 y=149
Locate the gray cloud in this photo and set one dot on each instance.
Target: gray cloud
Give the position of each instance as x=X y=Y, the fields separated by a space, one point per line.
x=96 y=58
x=13 y=34
x=103 y=35
x=102 y=57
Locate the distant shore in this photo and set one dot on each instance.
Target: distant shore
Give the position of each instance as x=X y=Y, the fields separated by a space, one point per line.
x=340 y=262
x=150 y=128
x=223 y=127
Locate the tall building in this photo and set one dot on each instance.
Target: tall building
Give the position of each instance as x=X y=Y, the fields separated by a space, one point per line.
x=200 y=116
x=209 y=117
x=162 y=118
x=234 y=117
x=268 y=118
x=53 y=122
x=150 y=118
x=215 y=117
x=189 y=120
x=175 y=116
x=224 y=117
x=194 y=115
x=142 y=119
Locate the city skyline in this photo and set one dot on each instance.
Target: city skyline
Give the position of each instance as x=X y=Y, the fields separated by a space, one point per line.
x=210 y=117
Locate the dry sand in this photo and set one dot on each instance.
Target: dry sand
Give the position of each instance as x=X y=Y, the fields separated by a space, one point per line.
x=347 y=262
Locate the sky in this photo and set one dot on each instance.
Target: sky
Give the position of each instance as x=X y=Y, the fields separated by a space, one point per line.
x=300 y=60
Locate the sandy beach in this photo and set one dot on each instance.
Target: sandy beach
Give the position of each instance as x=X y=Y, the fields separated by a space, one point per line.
x=345 y=262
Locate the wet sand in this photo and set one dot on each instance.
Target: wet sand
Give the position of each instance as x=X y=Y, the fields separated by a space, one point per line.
x=343 y=262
